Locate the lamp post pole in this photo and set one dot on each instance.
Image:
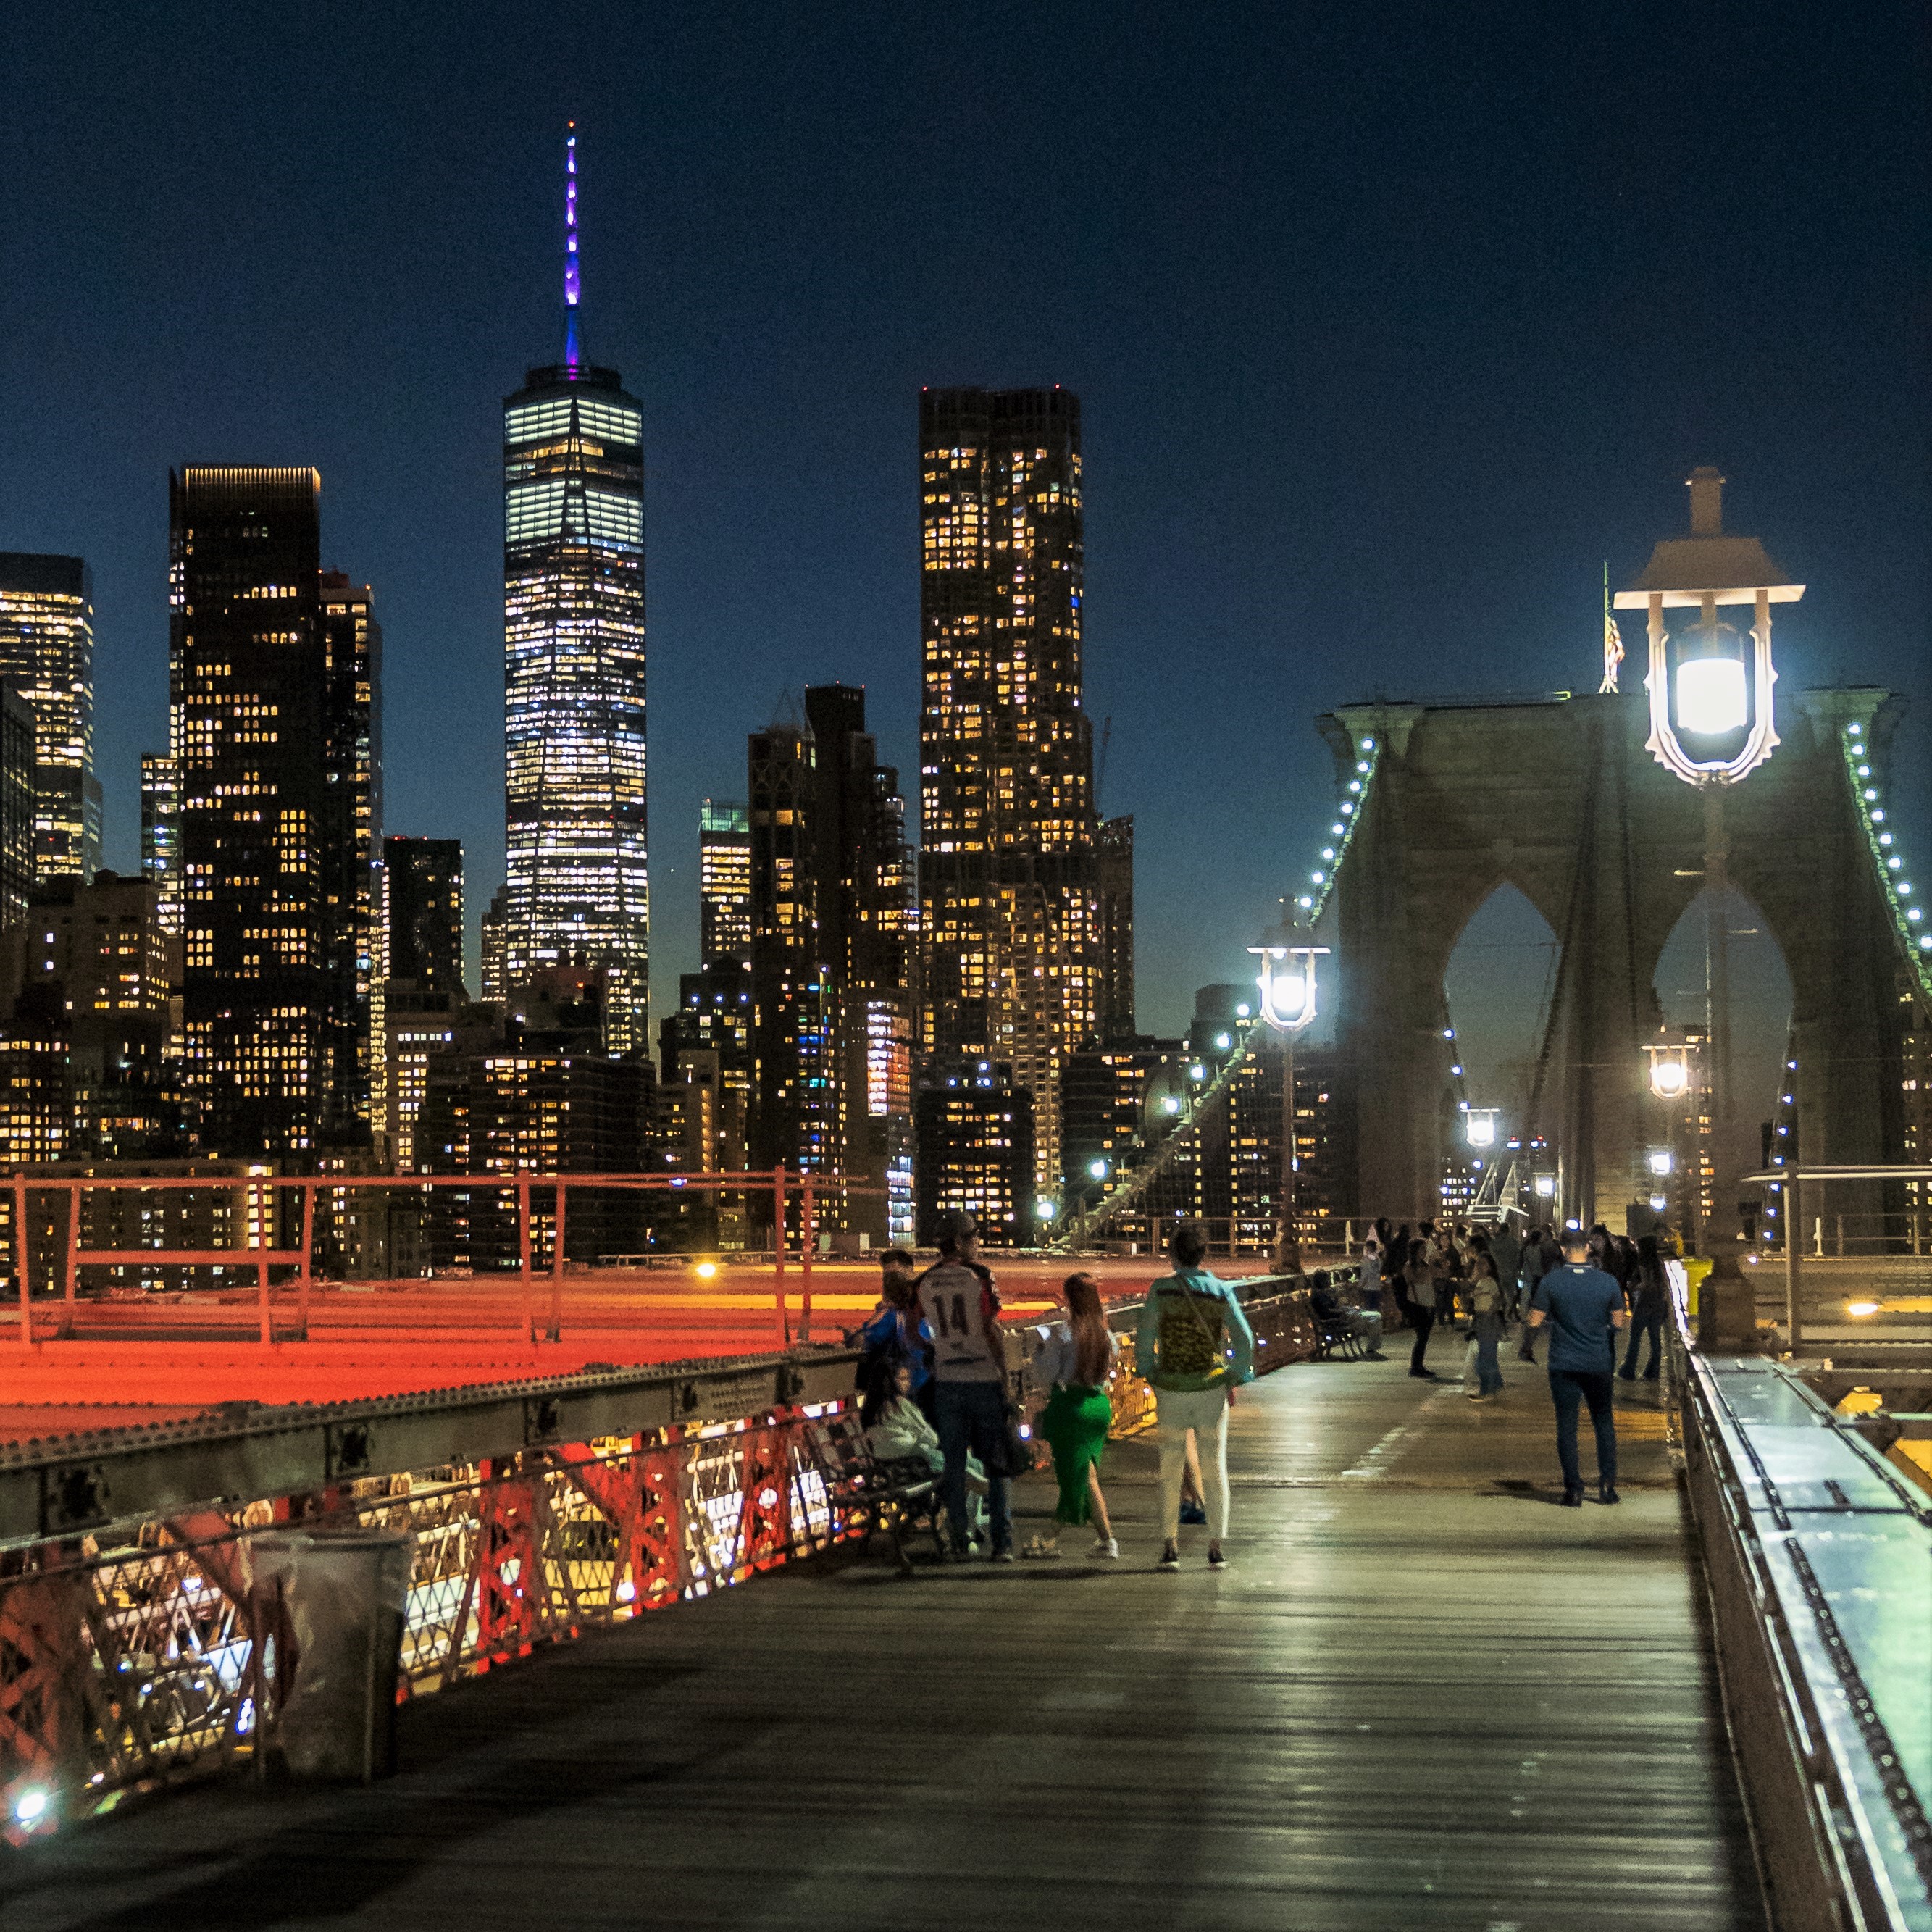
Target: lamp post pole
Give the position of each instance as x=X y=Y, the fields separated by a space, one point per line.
x=1723 y=1226
x=1288 y=1149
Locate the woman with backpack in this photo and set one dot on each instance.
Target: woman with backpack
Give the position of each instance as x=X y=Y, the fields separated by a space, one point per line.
x=1194 y=1347
x=1075 y=1360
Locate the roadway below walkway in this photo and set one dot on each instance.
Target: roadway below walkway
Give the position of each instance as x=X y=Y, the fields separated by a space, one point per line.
x=1422 y=1695
x=165 y=1357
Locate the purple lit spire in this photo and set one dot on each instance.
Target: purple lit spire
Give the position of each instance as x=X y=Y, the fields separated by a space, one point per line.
x=573 y=343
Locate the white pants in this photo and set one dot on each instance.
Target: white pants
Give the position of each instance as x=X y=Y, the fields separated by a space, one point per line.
x=1205 y=1411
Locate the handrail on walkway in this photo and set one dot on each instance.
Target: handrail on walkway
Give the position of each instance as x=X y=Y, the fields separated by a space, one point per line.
x=1816 y=1554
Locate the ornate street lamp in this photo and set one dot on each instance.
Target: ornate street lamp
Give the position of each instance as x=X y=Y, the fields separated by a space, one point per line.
x=1481 y=1126
x=1711 y=724
x=1288 y=992
x=1669 y=1072
x=1288 y=1005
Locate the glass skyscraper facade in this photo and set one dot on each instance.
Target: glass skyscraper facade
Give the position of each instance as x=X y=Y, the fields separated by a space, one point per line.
x=1011 y=905
x=47 y=654
x=578 y=885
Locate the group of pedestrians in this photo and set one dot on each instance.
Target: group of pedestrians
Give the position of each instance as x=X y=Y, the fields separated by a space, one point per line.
x=936 y=1380
x=1582 y=1286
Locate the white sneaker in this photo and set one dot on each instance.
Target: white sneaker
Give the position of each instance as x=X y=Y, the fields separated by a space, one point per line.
x=1106 y=1546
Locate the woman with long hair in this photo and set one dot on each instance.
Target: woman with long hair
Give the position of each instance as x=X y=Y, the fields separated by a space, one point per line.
x=1650 y=1294
x=1483 y=1378
x=1419 y=1272
x=1075 y=1360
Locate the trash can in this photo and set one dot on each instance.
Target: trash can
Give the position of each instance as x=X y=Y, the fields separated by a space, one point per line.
x=344 y=1595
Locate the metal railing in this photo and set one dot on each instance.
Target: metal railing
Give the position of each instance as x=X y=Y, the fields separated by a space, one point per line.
x=527 y=1194
x=1840 y=1831
x=131 y=1665
x=138 y=1650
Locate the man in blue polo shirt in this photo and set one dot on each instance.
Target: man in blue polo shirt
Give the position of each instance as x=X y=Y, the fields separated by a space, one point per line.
x=1584 y=1308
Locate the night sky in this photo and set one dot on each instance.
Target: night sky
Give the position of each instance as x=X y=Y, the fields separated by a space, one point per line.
x=1390 y=325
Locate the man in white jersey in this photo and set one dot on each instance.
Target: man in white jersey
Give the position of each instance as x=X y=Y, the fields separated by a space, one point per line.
x=969 y=1379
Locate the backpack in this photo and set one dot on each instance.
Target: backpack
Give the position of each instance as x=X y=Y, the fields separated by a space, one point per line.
x=1191 y=1333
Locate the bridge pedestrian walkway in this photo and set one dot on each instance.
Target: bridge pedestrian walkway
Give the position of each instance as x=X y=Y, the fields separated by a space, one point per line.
x=1422 y=1695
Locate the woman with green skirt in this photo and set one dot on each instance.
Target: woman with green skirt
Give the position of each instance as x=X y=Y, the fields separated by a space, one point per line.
x=1075 y=1358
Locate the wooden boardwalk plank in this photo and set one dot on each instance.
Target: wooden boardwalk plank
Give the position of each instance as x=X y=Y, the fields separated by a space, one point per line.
x=1421 y=1696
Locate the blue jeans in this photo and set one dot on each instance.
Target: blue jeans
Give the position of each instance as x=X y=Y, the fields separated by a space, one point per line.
x=1569 y=1389
x=1648 y=1320
x=971 y=1419
x=1488 y=1370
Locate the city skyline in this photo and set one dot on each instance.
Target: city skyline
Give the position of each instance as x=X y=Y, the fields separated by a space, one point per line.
x=1475 y=564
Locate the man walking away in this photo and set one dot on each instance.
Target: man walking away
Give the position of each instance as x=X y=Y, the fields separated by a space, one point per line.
x=1507 y=1253
x=969 y=1375
x=1536 y=1255
x=1584 y=1307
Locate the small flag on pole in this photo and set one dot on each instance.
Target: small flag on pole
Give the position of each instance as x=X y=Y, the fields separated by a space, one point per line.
x=1613 y=643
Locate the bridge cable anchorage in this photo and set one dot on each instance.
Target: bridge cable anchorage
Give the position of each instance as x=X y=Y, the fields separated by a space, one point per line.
x=1308 y=908
x=1908 y=920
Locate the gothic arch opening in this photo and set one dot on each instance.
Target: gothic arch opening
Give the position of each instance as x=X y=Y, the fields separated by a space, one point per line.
x=1761 y=1002
x=1498 y=986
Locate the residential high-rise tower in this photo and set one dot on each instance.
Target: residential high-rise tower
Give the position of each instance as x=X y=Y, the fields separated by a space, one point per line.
x=160 y=833
x=724 y=885
x=1009 y=893
x=47 y=653
x=578 y=888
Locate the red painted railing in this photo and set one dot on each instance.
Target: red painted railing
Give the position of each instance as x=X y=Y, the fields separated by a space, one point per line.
x=123 y=1667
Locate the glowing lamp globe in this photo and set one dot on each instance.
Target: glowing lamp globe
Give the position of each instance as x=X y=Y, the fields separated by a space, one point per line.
x=1713 y=693
x=1669 y=1074
x=1287 y=983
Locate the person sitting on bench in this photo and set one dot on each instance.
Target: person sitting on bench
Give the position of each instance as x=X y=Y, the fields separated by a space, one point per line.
x=1364 y=1323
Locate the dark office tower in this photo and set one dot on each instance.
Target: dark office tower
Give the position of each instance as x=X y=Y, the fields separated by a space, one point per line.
x=353 y=828
x=423 y=926
x=1114 y=856
x=494 y=936
x=573 y=672
x=17 y=806
x=868 y=925
x=1009 y=904
x=161 y=834
x=269 y=994
x=724 y=885
x=795 y=1086
x=47 y=653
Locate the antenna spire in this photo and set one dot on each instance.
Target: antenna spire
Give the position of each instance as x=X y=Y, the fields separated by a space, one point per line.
x=573 y=338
